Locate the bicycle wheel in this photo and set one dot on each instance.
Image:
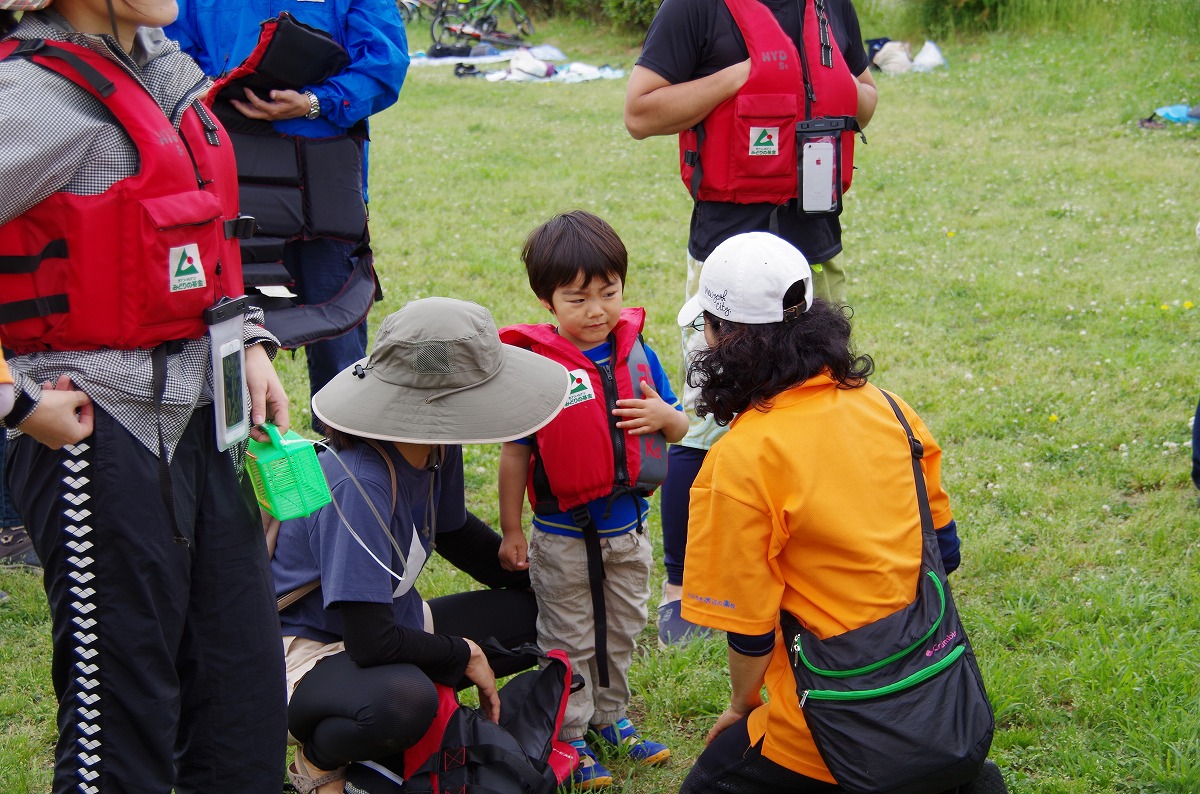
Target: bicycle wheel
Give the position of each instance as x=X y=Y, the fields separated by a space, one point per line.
x=406 y=12
x=521 y=20
x=485 y=24
x=445 y=28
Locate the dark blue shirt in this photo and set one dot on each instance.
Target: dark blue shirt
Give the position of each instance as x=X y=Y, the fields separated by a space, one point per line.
x=427 y=502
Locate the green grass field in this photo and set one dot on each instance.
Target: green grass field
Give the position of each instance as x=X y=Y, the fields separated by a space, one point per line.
x=1023 y=263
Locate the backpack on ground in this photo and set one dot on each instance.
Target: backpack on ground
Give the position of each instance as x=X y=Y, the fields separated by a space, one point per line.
x=464 y=752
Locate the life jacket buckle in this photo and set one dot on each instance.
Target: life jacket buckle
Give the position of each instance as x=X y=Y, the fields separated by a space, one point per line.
x=240 y=228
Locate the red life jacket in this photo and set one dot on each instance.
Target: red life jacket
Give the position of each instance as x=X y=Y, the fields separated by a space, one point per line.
x=581 y=455
x=744 y=152
x=137 y=264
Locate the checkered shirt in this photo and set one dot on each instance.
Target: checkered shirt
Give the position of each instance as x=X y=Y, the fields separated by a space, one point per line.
x=68 y=141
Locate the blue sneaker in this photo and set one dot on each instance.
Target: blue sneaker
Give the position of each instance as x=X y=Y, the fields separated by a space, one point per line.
x=674 y=630
x=624 y=736
x=590 y=774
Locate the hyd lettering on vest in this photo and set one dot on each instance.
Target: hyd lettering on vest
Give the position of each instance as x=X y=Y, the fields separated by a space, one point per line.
x=778 y=56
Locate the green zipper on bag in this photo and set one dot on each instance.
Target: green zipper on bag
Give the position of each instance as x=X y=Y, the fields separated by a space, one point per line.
x=801 y=658
x=905 y=683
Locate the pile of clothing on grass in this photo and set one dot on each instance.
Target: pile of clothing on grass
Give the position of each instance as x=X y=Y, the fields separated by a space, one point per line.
x=895 y=57
x=1173 y=114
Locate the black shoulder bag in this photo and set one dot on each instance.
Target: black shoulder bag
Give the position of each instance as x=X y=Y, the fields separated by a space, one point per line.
x=897 y=705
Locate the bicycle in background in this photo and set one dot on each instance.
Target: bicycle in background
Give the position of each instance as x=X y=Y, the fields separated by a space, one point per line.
x=478 y=16
x=416 y=9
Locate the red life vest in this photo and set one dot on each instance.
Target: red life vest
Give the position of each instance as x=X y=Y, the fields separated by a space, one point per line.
x=744 y=152
x=581 y=454
x=136 y=265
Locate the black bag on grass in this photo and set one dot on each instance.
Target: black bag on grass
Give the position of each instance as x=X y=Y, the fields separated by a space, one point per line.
x=464 y=752
x=440 y=50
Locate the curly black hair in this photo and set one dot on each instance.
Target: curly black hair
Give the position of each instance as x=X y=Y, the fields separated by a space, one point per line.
x=748 y=365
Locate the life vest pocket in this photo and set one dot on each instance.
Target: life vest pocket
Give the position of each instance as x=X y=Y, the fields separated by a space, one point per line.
x=185 y=255
x=764 y=144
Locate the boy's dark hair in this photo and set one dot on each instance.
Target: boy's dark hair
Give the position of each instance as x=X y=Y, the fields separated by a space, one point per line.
x=750 y=364
x=570 y=245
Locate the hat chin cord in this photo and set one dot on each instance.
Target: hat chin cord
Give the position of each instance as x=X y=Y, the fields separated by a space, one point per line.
x=112 y=21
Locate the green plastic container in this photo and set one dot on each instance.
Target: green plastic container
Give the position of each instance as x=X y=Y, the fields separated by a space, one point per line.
x=287 y=478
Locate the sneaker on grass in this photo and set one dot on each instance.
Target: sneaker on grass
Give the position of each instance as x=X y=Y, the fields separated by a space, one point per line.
x=674 y=630
x=625 y=737
x=16 y=548
x=590 y=775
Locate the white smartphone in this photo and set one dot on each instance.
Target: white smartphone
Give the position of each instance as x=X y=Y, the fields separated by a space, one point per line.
x=818 y=171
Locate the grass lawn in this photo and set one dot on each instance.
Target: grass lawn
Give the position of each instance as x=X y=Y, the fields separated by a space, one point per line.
x=1022 y=263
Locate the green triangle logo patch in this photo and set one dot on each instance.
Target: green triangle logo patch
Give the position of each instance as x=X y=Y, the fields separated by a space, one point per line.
x=184 y=269
x=764 y=141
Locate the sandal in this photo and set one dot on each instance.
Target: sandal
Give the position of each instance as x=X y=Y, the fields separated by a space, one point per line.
x=299 y=775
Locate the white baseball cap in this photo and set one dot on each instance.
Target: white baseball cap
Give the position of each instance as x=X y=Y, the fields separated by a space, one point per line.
x=745 y=278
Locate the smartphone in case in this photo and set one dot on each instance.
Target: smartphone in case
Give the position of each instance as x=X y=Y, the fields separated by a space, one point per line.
x=229 y=384
x=228 y=371
x=818 y=172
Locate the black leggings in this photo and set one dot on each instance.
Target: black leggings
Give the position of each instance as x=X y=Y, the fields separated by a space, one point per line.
x=341 y=712
x=730 y=765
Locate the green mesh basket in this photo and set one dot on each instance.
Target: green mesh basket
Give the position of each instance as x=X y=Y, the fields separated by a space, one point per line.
x=286 y=475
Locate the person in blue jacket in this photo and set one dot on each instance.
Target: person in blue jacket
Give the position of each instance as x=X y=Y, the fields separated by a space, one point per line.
x=221 y=34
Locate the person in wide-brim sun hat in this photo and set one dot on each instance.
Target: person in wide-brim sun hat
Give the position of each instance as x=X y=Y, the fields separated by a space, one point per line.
x=439 y=374
x=438 y=377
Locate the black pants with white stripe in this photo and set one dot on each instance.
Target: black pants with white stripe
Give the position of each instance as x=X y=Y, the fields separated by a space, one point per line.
x=167 y=663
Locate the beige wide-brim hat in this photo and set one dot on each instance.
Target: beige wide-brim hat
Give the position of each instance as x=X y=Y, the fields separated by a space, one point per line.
x=439 y=374
x=23 y=5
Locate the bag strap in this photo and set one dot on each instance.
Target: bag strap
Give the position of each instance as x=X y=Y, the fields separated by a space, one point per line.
x=918 y=452
x=271 y=528
x=375 y=445
x=291 y=597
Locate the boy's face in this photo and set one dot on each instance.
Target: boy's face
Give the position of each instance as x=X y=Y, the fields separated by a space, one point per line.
x=586 y=313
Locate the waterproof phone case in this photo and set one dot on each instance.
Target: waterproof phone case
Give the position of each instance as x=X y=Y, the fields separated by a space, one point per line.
x=228 y=371
x=819 y=152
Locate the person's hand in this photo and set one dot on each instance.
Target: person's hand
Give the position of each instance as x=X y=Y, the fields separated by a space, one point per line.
x=728 y=717
x=514 y=552
x=64 y=415
x=643 y=416
x=267 y=398
x=481 y=675
x=650 y=415
x=282 y=104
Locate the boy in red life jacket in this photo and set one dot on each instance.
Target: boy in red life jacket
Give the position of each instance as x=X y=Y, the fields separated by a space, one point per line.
x=588 y=473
